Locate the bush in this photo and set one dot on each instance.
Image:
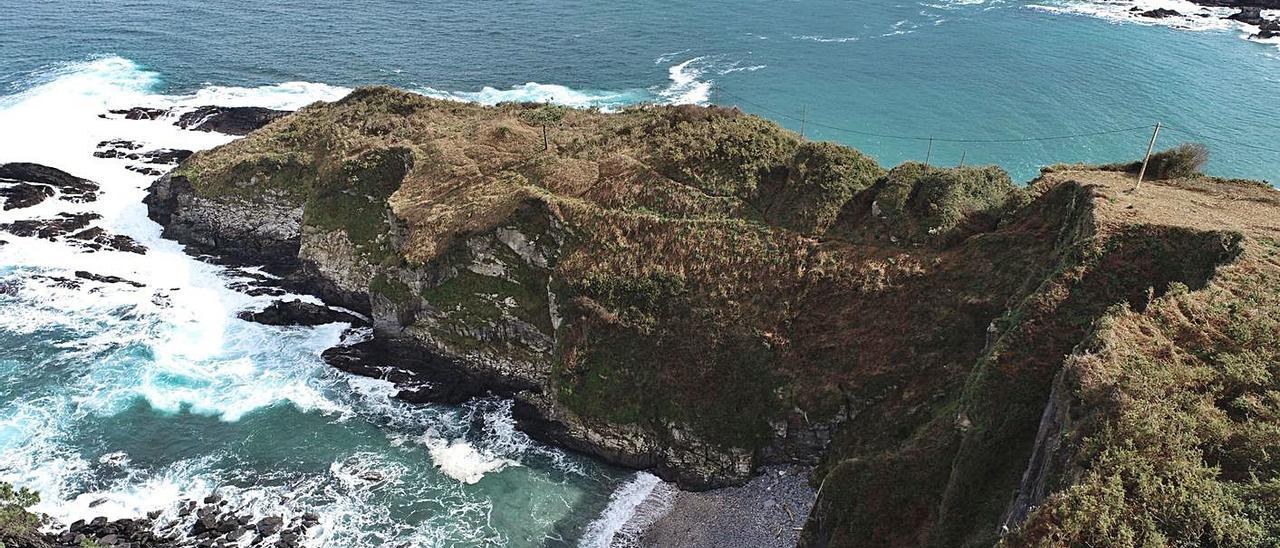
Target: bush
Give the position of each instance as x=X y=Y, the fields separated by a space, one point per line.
x=1183 y=160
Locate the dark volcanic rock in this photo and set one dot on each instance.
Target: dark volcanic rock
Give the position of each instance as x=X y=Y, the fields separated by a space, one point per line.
x=120 y=143
x=165 y=156
x=297 y=312
x=229 y=120
x=50 y=229
x=1267 y=28
x=141 y=113
x=128 y=150
x=22 y=195
x=421 y=378
x=96 y=238
x=1243 y=4
x=72 y=188
x=1160 y=13
x=101 y=532
x=150 y=171
x=106 y=279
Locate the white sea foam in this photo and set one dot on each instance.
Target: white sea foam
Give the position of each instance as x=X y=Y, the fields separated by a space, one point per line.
x=461 y=461
x=686 y=87
x=175 y=346
x=173 y=343
x=534 y=92
x=1194 y=17
x=634 y=506
x=827 y=39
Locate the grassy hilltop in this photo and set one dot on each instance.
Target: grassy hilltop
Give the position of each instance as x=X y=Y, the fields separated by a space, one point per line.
x=703 y=291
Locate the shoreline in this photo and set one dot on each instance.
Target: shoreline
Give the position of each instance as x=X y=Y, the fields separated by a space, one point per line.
x=769 y=510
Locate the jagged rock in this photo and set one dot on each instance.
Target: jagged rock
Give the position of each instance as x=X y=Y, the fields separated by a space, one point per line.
x=96 y=239
x=229 y=120
x=149 y=171
x=22 y=195
x=50 y=229
x=1160 y=13
x=266 y=234
x=141 y=113
x=165 y=156
x=420 y=378
x=119 y=144
x=71 y=188
x=296 y=312
x=106 y=279
x=269 y=525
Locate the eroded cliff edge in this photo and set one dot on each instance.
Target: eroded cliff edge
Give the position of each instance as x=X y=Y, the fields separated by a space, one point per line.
x=700 y=292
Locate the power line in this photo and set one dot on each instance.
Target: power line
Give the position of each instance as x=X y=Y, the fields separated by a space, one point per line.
x=1223 y=141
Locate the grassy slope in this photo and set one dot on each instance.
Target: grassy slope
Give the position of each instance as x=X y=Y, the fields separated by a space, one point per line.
x=719 y=274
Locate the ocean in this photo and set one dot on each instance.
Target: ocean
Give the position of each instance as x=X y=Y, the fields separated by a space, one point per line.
x=118 y=400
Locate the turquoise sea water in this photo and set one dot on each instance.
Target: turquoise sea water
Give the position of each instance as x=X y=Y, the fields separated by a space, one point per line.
x=117 y=400
x=948 y=68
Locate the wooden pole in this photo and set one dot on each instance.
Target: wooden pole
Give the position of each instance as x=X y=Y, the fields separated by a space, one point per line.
x=1147 y=159
x=804 y=116
x=928 y=155
x=962 y=154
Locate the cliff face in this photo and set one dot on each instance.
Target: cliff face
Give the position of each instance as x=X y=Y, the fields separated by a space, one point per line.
x=700 y=292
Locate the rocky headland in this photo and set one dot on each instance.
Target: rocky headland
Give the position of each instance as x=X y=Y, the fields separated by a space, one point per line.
x=696 y=291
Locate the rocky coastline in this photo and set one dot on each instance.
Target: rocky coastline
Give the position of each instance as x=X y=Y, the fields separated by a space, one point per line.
x=533 y=284
x=759 y=345
x=210 y=522
x=1248 y=13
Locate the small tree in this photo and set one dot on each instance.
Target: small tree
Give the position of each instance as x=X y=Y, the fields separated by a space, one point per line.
x=545 y=116
x=18 y=527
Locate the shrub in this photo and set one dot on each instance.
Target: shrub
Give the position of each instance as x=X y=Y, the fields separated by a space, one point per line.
x=1183 y=160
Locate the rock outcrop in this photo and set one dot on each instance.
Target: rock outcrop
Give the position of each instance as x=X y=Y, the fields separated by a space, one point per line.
x=228 y=120
x=24 y=185
x=296 y=312
x=700 y=292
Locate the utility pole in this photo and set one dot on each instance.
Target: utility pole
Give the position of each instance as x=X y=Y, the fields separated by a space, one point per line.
x=928 y=155
x=804 y=116
x=1147 y=159
x=962 y=154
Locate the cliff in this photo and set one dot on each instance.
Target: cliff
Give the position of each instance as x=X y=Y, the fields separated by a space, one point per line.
x=701 y=292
